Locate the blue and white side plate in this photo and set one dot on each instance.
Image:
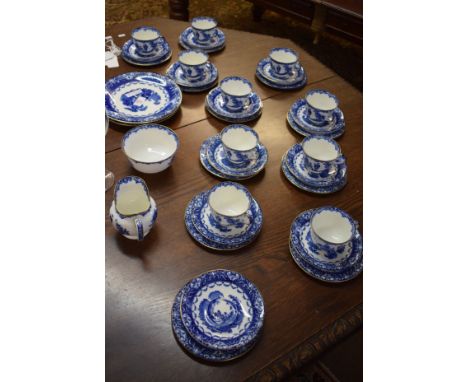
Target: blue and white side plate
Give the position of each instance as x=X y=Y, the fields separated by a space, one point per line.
x=222 y=310
x=198 y=237
x=130 y=55
x=188 y=40
x=264 y=75
x=210 y=79
x=218 y=159
x=237 y=234
x=192 y=346
x=301 y=241
x=141 y=97
x=215 y=105
x=337 y=185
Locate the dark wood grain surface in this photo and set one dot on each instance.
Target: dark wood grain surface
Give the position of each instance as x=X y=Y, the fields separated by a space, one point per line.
x=303 y=316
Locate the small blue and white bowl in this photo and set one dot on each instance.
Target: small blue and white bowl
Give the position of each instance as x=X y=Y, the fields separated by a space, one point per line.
x=193 y=64
x=150 y=148
x=205 y=29
x=240 y=143
x=283 y=61
x=235 y=92
x=148 y=41
x=321 y=106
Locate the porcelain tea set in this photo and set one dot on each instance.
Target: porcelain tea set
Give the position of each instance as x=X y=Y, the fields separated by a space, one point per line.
x=203 y=34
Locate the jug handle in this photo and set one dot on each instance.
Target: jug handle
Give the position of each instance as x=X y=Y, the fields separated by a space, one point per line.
x=139 y=227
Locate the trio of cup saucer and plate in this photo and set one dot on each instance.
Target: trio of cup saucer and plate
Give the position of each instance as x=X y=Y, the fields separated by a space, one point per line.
x=218 y=316
x=225 y=218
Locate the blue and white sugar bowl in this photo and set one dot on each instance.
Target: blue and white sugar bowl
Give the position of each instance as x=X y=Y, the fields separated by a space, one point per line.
x=148 y=41
x=322 y=157
x=150 y=148
x=235 y=92
x=321 y=106
x=240 y=143
x=193 y=63
x=205 y=29
x=133 y=211
x=283 y=61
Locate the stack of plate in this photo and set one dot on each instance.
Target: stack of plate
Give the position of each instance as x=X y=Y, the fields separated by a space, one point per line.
x=188 y=40
x=141 y=97
x=129 y=54
x=267 y=75
x=218 y=316
x=209 y=79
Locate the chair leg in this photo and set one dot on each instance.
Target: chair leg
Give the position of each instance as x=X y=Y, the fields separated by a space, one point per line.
x=318 y=23
x=178 y=9
x=257 y=12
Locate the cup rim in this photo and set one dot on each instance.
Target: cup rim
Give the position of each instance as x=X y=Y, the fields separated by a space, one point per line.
x=148 y=28
x=236 y=185
x=343 y=214
x=322 y=91
x=238 y=78
x=181 y=53
x=203 y=18
x=286 y=49
x=135 y=130
x=330 y=140
x=238 y=126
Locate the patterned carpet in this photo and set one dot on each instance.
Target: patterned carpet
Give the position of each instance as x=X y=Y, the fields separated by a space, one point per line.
x=343 y=57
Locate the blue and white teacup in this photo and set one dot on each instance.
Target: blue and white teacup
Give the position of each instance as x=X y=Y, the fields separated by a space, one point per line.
x=235 y=92
x=229 y=203
x=320 y=107
x=240 y=144
x=204 y=29
x=322 y=157
x=148 y=41
x=193 y=64
x=332 y=231
x=283 y=61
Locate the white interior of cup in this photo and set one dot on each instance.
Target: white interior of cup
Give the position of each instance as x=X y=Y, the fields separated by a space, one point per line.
x=321 y=101
x=320 y=149
x=150 y=145
x=239 y=139
x=193 y=58
x=204 y=24
x=145 y=35
x=332 y=227
x=229 y=201
x=132 y=199
x=236 y=87
x=283 y=56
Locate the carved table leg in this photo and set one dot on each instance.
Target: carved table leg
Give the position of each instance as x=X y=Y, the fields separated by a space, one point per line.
x=257 y=12
x=318 y=23
x=178 y=9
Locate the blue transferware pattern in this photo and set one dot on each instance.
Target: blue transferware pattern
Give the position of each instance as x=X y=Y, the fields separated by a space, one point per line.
x=130 y=55
x=205 y=36
x=147 y=47
x=337 y=185
x=192 y=346
x=235 y=103
x=215 y=105
x=207 y=82
x=318 y=117
x=328 y=261
x=239 y=158
x=282 y=69
x=198 y=237
x=264 y=75
x=295 y=160
x=237 y=233
x=141 y=97
x=299 y=112
x=222 y=310
x=188 y=40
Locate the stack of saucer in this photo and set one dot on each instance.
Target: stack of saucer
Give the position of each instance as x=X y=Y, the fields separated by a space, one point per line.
x=325 y=243
x=317 y=114
x=234 y=154
x=203 y=34
x=225 y=218
x=218 y=316
x=146 y=48
x=316 y=165
x=234 y=101
x=281 y=70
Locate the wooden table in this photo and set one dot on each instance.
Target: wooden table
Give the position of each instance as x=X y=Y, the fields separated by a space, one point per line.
x=303 y=316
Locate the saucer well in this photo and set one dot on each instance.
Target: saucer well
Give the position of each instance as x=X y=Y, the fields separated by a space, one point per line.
x=211 y=76
x=188 y=40
x=130 y=55
x=264 y=75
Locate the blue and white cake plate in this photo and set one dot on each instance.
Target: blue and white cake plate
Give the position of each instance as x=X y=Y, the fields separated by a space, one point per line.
x=210 y=79
x=330 y=262
x=215 y=105
x=188 y=40
x=222 y=310
x=141 y=97
x=318 y=188
x=192 y=346
x=264 y=75
x=130 y=55
x=199 y=238
x=236 y=234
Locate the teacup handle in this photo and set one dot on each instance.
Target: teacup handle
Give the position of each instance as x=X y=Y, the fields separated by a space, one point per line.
x=340 y=163
x=139 y=227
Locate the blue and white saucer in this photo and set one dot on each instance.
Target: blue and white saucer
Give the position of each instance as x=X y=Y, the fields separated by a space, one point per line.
x=218 y=159
x=130 y=55
x=215 y=105
x=237 y=234
x=222 y=310
x=301 y=241
x=299 y=122
x=210 y=79
x=319 y=188
x=296 y=165
x=141 y=97
x=188 y=40
x=265 y=75
x=198 y=237
x=192 y=346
